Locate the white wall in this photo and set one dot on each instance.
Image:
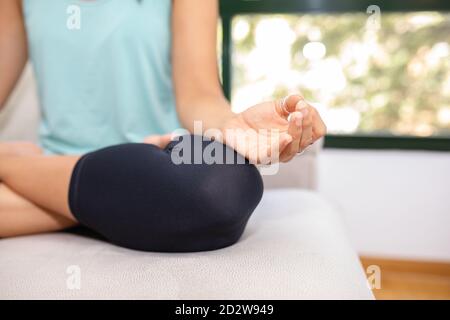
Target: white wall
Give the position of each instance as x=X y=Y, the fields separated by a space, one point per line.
x=395 y=203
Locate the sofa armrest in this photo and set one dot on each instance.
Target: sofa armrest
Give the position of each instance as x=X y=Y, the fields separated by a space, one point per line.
x=299 y=173
x=20 y=118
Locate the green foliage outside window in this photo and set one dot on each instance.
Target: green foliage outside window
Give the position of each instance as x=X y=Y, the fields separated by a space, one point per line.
x=382 y=77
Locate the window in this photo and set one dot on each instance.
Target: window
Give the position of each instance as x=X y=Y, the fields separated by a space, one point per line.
x=380 y=80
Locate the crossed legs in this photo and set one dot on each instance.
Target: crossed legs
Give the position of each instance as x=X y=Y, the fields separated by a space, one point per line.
x=135 y=195
x=23 y=184
x=19 y=216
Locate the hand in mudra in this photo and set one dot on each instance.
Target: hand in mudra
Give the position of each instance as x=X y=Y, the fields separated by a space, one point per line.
x=274 y=131
x=268 y=132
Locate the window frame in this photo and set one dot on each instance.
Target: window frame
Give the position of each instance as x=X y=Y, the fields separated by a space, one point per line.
x=230 y=8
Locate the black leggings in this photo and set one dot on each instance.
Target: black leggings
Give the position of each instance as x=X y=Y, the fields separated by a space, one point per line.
x=139 y=196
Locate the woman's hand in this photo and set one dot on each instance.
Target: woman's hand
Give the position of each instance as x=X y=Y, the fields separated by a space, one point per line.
x=268 y=132
x=161 y=141
x=274 y=131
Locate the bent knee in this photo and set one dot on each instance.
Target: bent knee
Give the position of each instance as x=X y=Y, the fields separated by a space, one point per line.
x=229 y=197
x=217 y=212
x=220 y=180
x=175 y=208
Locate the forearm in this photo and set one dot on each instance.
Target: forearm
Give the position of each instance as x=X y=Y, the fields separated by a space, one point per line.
x=18 y=216
x=43 y=180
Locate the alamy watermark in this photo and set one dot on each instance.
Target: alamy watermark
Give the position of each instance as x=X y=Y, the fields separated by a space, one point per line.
x=73 y=281
x=374 y=20
x=74 y=17
x=373 y=25
x=374 y=277
x=259 y=146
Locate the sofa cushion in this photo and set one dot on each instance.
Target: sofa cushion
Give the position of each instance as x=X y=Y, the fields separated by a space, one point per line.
x=294 y=247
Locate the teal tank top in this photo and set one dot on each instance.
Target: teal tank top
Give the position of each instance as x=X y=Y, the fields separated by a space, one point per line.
x=103 y=71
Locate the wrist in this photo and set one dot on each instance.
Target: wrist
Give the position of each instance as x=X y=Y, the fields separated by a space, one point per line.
x=232 y=123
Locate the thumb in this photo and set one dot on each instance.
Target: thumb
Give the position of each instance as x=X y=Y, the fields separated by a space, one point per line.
x=287 y=105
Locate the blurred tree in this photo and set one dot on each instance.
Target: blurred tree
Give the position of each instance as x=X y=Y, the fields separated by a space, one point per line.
x=394 y=79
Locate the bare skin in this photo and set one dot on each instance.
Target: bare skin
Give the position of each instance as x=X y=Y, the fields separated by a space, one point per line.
x=22 y=217
x=43 y=180
x=18 y=215
x=33 y=194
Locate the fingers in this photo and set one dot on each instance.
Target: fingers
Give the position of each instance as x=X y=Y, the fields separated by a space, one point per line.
x=304 y=125
x=301 y=129
x=159 y=141
x=295 y=129
x=152 y=140
x=277 y=145
x=165 y=140
x=319 y=127
x=307 y=136
x=287 y=105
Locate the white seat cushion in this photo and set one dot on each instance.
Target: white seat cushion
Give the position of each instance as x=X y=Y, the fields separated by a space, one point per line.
x=293 y=248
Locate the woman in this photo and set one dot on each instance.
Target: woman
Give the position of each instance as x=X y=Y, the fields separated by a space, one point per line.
x=112 y=72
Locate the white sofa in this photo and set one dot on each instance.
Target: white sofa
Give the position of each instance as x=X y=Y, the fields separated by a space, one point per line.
x=294 y=247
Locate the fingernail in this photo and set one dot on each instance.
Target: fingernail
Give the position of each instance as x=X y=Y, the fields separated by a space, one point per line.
x=289 y=118
x=302 y=104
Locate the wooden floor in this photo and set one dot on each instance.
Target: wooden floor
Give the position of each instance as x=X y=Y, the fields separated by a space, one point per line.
x=401 y=279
